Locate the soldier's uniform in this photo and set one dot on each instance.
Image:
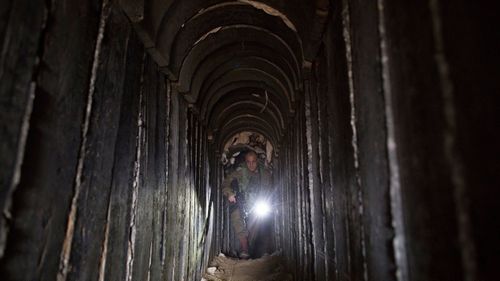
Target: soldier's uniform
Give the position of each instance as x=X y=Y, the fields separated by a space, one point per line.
x=251 y=185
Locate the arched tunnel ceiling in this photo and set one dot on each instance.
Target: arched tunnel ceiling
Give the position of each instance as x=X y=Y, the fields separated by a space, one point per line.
x=240 y=63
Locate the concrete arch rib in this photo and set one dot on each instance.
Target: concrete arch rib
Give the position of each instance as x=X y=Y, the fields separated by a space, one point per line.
x=243 y=86
x=248 y=109
x=227 y=35
x=192 y=76
x=256 y=63
x=230 y=16
x=259 y=78
x=250 y=95
x=248 y=118
x=180 y=13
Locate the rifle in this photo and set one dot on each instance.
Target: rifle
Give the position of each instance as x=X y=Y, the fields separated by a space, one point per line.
x=240 y=200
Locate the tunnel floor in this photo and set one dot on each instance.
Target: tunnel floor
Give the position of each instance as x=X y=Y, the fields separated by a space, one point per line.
x=266 y=268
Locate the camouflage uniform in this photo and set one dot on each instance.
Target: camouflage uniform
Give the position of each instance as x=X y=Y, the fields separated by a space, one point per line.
x=251 y=185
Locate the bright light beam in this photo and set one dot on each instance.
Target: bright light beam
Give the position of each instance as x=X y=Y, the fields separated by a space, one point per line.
x=262 y=209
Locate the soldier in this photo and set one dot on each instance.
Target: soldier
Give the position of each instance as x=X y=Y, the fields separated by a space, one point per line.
x=252 y=180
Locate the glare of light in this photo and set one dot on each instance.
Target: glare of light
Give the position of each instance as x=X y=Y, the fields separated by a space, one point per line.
x=262 y=209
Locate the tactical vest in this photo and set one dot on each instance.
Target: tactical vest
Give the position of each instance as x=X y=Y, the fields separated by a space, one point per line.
x=244 y=181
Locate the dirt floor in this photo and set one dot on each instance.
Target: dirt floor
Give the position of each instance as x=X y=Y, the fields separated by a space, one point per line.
x=267 y=268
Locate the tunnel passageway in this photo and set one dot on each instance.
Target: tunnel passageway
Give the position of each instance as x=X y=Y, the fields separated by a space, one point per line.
x=120 y=119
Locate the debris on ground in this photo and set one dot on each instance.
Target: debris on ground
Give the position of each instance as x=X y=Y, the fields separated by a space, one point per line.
x=266 y=268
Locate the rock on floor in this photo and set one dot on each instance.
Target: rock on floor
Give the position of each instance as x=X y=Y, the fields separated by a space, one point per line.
x=267 y=268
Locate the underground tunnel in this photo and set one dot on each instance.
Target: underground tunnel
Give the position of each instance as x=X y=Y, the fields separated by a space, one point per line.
x=121 y=120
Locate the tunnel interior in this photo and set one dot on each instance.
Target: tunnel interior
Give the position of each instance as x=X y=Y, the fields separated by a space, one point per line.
x=377 y=120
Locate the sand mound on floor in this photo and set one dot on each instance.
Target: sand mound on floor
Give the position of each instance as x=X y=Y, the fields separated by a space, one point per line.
x=267 y=268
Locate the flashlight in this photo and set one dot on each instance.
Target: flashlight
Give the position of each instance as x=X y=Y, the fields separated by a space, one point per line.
x=262 y=209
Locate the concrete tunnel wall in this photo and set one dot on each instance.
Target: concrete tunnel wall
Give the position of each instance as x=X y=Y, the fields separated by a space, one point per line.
x=112 y=183
x=383 y=121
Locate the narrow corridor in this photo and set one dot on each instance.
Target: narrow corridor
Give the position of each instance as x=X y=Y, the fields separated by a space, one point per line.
x=376 y=120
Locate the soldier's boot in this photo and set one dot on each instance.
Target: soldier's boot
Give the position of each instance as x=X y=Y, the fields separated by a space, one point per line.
x=244 y=248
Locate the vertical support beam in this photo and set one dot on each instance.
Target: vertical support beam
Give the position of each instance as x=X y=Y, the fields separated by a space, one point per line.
x=356 y=193
x=313 y=181
x=424 y=208
x=369 y=123
x=325 y=162
x=465 y=43
x=399 y=240
x=87 y=237
x=41 y=202
x=120 y=204
x=22 y=28
x=343 y=174
x=150 y=196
